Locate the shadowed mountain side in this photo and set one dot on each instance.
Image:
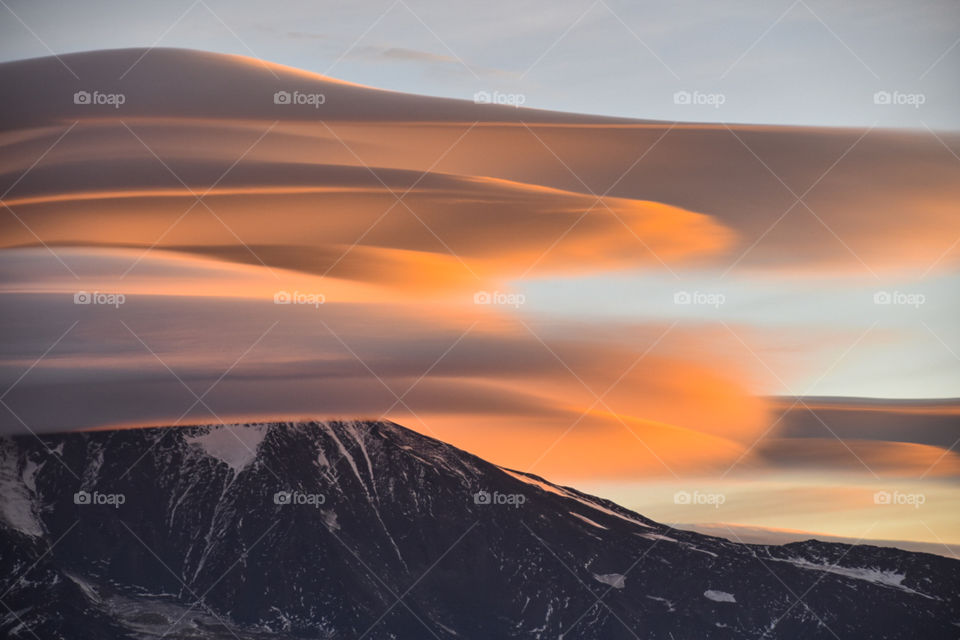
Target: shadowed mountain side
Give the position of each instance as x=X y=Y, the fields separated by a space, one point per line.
x=321 y=529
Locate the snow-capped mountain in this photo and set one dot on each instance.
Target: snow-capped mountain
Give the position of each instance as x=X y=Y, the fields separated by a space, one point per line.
x=369 y=530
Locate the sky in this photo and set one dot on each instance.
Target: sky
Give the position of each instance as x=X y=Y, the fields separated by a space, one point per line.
x=761 y=313
x=785 y=62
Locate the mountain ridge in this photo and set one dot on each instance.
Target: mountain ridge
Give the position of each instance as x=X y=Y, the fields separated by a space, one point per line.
x=368 y=529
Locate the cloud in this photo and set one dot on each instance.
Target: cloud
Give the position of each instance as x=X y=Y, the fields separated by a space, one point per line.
x=781 y=507
x=873 y=457
x=741 y=180
x=307 y=35
x=207 y=196
x=381 y=54
x=403 y=54
x=431 y=225
x=471 y=374
x=925 y=422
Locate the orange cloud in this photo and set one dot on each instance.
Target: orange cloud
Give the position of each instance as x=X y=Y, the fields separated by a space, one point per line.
x=303 y=200
x=471 y=374
x=479 y=227
x=495 y=184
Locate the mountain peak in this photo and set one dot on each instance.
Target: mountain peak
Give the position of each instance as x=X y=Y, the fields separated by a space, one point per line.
x=280 y=530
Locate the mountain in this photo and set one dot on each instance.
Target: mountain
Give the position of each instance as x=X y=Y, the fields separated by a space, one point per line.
x=767 y=535
x=370 y=530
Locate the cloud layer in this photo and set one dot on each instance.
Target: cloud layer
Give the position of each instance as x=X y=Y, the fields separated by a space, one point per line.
x=206 y=193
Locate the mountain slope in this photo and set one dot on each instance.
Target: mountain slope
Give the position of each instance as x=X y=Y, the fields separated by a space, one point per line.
x=369 y=530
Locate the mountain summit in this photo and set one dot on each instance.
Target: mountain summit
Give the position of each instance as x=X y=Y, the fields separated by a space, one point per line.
x=370 y=530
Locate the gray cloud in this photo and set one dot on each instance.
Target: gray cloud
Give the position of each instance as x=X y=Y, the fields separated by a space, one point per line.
x=402 y=54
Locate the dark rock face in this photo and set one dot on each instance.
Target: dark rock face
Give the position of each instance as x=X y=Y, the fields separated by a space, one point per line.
x=369 y=530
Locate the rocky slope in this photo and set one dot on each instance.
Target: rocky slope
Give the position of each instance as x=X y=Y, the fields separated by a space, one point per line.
x=369 y=530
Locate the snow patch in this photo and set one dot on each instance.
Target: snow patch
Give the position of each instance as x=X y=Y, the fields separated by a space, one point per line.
x=719 y=596
x=330 y=519
x=373 y=499
x=322 y=459
x=345 y=455
x=694 y=547
x=88 y=589
x=615 y=580
x=236 y=446
x=17 y=506
x=657 y=536
x=354 y=430
x=666 y=602
x=587 y=520
x=446 y=628
x=549 y=488
x=885 y=578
